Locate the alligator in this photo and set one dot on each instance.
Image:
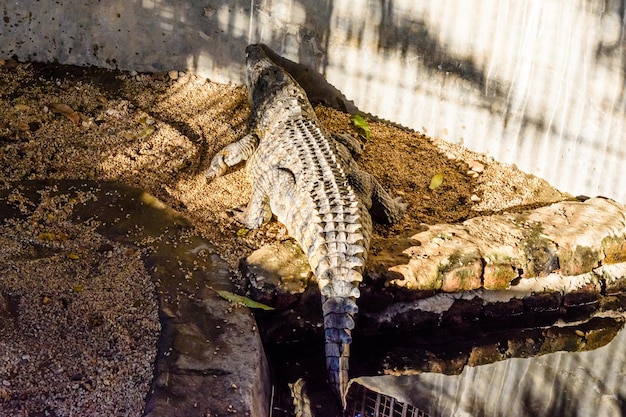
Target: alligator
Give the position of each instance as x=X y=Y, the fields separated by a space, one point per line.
x=310 y=181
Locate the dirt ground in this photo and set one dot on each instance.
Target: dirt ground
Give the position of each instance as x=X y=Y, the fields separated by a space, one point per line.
x=160 y=131
x=159 y=134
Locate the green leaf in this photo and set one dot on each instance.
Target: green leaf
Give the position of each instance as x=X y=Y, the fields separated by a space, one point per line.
x=147 y=131
x=361 y=123
x=236 y=298
x=436 y=181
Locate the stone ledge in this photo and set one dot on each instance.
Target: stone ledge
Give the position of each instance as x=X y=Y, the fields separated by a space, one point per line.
x=491 y=252
x=562 y=261
x=429 y=304
x=561 y=296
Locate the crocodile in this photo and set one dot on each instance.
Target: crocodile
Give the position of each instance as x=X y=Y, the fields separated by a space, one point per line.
x=310 y=181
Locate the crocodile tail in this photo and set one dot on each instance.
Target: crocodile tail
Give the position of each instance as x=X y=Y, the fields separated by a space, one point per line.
x=337 y=367
x=338 y=324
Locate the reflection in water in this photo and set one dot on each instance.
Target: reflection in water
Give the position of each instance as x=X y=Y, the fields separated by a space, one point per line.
x=588 y=383
x=566 y=360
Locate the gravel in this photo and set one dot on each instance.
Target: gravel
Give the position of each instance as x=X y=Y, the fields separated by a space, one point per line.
x=78 y=318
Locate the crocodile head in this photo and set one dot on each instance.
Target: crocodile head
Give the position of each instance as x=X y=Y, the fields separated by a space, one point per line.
x=257 y=62
x=271 y=90
x=263 y=76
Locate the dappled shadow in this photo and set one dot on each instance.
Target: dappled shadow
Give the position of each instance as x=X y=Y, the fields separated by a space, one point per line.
x=310 y=38
x=148 y=126
x=210 y=39
x=616 y=47
x=204 y=345
x=555 y=385
x=411 y=35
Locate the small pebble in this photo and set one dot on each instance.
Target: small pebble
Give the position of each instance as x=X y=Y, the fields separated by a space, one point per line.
x=6 y=383
x=476 y=166
x=437 y=241
x=133 y=73
x=173 y=74
x=10 y=63
x=77 y=376
x=472 y=174
x=209 y=11
x=475 y=198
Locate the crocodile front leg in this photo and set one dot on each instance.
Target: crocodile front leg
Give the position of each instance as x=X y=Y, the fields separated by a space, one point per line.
x=232 y=155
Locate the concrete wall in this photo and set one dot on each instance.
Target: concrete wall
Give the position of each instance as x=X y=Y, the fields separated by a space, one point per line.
x=538 y=83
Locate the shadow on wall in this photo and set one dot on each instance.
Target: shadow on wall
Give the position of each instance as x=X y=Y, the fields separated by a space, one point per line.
x=614 y=47
x=530 y=98
x=210 y=37
x=205 y=37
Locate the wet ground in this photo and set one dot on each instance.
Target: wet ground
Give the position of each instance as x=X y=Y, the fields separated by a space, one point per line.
x=83 y=264
x=210 y=347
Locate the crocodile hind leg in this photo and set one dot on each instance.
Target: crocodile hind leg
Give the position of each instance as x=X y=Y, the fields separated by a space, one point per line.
x=383 y=207
x=301 y=401
x=258 y=211
x=351 y=143
x=278 y=182
x=231 y=155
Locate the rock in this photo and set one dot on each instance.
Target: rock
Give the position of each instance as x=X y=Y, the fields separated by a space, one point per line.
x=496 y=276
x=277 y=273
x=463 y=273
x=476 y=166
x=173 y=74
x=569 y=238
x=541 y=262
x=491 y=288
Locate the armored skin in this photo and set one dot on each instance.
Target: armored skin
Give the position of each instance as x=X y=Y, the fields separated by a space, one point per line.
x=309 y=180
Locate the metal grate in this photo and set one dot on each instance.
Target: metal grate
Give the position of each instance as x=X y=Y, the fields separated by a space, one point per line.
x=363 y=402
